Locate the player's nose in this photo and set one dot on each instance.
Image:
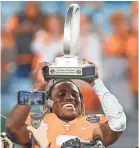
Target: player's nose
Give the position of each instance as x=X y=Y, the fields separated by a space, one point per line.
x=69 y=97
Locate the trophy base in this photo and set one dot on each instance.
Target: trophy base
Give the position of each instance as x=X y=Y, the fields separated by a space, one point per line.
x=84 y=72
x=69 y=77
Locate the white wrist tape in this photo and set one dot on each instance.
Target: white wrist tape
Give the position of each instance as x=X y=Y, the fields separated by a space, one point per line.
x=111 y=107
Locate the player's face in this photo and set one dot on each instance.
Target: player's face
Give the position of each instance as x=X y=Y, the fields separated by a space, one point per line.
x=67 y=102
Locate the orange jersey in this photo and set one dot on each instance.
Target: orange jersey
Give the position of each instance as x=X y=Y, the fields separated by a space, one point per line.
x=60 y=131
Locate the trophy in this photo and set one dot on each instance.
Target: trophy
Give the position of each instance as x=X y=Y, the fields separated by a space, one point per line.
x=70 y=66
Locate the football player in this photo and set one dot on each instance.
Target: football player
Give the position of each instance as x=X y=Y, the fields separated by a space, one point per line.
x=67 y=119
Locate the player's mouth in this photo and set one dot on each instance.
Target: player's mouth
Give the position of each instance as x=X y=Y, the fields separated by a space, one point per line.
x=68 y=106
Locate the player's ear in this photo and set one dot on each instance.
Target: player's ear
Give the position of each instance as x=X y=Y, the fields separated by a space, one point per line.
x=48 y=102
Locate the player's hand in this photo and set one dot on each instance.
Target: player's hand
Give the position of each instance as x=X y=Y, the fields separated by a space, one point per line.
x=38 y=78
x=5 y=140
x=90 y=80
x=40 y=134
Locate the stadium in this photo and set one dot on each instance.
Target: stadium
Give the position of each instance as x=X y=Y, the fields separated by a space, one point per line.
x=32 y=32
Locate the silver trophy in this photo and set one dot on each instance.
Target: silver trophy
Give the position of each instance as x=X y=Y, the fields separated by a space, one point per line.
x=70 y=66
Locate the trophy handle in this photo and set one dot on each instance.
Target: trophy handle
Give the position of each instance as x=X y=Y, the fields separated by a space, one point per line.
x=71 y=29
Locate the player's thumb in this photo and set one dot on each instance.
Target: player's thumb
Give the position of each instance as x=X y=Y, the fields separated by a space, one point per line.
x=31 y=129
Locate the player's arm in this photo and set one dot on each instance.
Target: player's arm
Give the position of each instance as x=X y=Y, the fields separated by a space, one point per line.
x=39 y=82
x=109 y=136
x=15 y=125
x=116 y=124
x=116 y=117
